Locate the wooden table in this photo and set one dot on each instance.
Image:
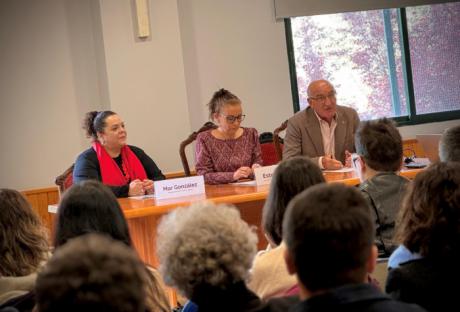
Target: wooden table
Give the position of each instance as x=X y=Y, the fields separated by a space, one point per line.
x=143 y=215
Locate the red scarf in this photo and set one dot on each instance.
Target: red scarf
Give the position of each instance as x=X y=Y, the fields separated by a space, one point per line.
x=111 y=173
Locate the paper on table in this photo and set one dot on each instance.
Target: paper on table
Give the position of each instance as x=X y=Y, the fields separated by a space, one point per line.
x=245 y=183
x=344 y=169
x=142 y=196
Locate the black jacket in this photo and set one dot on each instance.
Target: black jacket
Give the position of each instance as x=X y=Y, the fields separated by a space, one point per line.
x=87 y=168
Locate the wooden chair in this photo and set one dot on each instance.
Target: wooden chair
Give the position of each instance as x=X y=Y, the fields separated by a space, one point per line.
x=65 y=180
x=192 y=137
x=278 y=141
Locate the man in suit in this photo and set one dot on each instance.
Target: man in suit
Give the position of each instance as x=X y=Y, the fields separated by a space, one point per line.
x=324 y=131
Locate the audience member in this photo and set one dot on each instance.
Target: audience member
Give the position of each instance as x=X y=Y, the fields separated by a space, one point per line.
x=329 y=234
x=429 y=230
x=205 y=251
x=324 y=130
x=92 y=273
x=230 y=152
x=379 y=146
x=23 y=245
x=90 y=207
x=269 y=277
x=449 y=146
x=126 y=169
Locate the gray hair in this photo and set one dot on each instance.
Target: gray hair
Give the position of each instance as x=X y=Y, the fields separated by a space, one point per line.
x=449 y=146
x=205 y=245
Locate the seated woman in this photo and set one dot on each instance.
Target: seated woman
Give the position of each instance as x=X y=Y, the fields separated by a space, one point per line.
x=126 y=169
x=90 y=207
x=429 y=229
x=270 y=277
x=230 y=152
x=23 y=245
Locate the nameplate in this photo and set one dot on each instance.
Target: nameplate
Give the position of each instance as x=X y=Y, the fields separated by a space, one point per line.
x=264 y=174
x=179 y=187
x=52 y=208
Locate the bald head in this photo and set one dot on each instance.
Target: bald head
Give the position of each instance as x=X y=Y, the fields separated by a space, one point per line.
x=317 y=85
x=321 y=97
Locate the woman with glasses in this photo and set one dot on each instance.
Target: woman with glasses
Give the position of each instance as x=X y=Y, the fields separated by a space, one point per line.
x=230 y=152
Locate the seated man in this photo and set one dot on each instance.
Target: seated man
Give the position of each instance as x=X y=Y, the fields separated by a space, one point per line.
x=379 y=145
x=92 y=273
x=323 y=131
x=449 y=146
x=329 y=235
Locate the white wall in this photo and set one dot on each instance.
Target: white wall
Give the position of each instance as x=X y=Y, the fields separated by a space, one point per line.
x=62 y=58
x=239 y=46
x=146 y=78
x=48 y=79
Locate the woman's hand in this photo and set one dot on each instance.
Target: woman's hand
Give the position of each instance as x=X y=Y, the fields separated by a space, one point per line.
x=242 y=173
x=136 y=188
x=148 y=186
x=254 y=166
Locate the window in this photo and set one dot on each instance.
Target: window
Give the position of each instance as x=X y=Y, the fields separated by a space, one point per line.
x=402 y=63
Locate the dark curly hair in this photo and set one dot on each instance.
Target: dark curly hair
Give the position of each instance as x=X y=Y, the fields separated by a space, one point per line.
x=380 y=144
x=429 y=221
x=94 y=122
x=219 y=99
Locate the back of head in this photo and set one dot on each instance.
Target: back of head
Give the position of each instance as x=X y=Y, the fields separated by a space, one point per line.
x=380 y=144
x=90 y=207
x=291 y=177
x=329 y=234
x=23 y=238
x=220 y=98
x=430 y=215
x=449 y=146
x=92 y=273
x=204 y=246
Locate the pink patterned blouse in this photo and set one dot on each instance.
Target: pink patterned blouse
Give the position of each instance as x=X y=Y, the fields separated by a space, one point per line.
x=218 y=159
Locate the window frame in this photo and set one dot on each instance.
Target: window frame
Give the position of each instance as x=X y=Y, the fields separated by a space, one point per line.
x=412 y=118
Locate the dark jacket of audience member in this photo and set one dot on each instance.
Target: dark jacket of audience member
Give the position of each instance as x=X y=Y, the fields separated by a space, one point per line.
x=329 y=235
x=429 y=226
x=379 y=145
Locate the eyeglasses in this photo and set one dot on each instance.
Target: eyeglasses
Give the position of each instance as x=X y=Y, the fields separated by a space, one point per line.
x=232 y=119
x=322 y=98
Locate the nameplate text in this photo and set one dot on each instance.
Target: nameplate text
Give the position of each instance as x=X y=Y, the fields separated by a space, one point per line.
x=179 y=187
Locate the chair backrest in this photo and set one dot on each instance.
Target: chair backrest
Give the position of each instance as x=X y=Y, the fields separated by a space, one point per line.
x=192 y=137
x=267 y=147
x=65 y=180
x=278 y=141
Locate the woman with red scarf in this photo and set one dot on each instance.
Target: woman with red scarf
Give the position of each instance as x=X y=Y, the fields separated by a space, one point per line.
x=126 y=169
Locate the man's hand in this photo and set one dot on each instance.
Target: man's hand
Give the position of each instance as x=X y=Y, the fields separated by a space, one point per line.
x=331 y=163
x=347 y=159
